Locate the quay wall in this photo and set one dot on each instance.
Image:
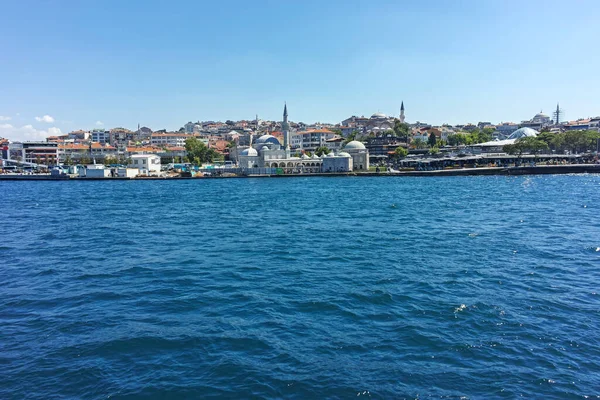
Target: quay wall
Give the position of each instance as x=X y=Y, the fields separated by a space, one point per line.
x=511 y=171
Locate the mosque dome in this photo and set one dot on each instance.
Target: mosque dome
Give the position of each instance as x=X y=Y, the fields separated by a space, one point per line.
x=315 y=156
x=541 y=115
x=305 y=157
x=378 y=115
x=354 y=145
x=344 y=154
x=330 y=154
x=264 y=148
x=523 y=132
x=267 y=139
x=250 y=152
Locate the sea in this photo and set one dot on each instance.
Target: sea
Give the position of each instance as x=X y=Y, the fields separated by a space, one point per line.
x=483 y=287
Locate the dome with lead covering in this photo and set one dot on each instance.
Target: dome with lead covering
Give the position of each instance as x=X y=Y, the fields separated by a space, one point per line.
x=267 y=139
x=250 y=152
x=378 y=115
x=354 y=145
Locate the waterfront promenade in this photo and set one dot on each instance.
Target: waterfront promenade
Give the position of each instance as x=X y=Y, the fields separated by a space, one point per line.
x=482 y=171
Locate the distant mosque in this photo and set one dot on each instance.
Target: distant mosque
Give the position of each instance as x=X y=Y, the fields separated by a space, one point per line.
x=267 y=152
x=378 y=123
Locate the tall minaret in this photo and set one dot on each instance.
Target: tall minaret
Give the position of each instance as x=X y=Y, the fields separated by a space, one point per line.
x=402 y=112
x=285 y=127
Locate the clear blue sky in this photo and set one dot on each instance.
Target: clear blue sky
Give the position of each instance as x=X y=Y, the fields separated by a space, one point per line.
x=163 y=63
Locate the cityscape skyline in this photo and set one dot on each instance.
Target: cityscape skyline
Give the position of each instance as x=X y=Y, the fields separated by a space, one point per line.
x=83 y=66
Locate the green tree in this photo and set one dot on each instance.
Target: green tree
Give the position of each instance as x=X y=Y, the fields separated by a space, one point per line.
x=532 y=144
x=514 y=149
x=432 y=140
x=546 y=137
x=485 y=135
x=434 y=150
x=352 y=136
x=199 y=153
x=68 y=161
x=322 y=150
x=457 y=139
x=419 y=143
x=400 y=152
x=402 y=130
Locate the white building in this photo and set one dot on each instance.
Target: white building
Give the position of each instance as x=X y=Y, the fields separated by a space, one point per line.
x=148 y=164
x=311 y=140
x=359 y=154
x=169 y=139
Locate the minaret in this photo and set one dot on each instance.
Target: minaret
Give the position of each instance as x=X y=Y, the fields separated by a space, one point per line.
x=402 y=112
x=286 y=131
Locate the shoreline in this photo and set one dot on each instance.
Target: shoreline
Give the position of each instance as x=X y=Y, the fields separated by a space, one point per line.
x=483 y=171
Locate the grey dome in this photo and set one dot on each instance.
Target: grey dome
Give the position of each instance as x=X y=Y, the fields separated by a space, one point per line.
x=267 y=139
x=250 y=152
x=354 y=145
x=344 y=154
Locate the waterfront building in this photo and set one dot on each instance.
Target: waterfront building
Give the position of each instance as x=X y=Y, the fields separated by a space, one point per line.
x=148 y=164
x=359 y=154
x=496 y=146
x=77 y=151
x=45 y=153
x=380 y=147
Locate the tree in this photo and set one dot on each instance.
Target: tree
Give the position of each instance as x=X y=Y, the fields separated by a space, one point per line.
x=402 y=130
x=419 y=143
x=352 y=136
x=199 y=153
x=434 y=150
x=485 y=135
x=457 y=139
x=400 y=152
x=322 y=150
x=532 y=144
x=513 y=149
x=68 y=161
x=432 y=140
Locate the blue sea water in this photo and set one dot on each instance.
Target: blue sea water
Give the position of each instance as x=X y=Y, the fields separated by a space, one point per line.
x=460 y=287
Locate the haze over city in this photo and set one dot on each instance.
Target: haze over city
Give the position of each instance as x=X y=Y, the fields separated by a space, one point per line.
x=78 y=65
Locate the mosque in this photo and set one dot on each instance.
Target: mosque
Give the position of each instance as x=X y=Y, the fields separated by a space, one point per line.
x=267 y=152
